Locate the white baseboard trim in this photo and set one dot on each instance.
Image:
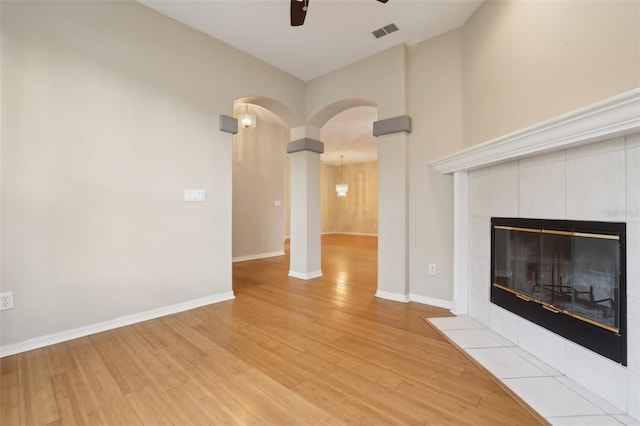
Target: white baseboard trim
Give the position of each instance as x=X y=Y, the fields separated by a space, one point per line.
x=440 y=303
x=54 y=338
x=305 y=275
x=258 y=256
x=396 y=297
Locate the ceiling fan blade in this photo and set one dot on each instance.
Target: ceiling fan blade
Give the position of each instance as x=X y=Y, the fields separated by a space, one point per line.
x=298 y=12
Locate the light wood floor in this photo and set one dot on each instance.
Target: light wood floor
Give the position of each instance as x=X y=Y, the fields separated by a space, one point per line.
x=285 y=351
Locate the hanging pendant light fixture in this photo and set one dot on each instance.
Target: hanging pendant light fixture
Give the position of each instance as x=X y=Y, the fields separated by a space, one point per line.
x=342 y=188
x=247 y=118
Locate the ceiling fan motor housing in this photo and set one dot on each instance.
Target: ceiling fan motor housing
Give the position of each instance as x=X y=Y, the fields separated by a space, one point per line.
x=299 y=10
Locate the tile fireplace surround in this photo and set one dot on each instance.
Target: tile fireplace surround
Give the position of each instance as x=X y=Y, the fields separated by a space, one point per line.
x=584 y=165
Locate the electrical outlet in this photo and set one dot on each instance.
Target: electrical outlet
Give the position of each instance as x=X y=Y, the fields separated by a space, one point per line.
x=432 y=269
x=6 y=300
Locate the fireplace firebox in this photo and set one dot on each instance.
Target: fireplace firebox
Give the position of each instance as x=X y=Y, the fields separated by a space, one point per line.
x=566 y=276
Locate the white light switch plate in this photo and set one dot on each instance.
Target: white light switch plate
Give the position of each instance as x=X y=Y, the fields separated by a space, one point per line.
x=195 y=195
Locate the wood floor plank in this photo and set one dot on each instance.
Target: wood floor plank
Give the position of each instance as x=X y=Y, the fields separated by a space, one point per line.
x=344 y=408
x=363 y=389
x=73 y=400
x=150 y=406
x=298 y=410
x=37 y=399
x=284 y=351
x=159 y=369
x=9 y=390
x=252 y=394
x=100 y=384
x=117 y=411
x=217 y=390
x=121 y=366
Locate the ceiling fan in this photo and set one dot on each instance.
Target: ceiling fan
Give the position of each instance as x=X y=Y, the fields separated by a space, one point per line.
x=299 y=11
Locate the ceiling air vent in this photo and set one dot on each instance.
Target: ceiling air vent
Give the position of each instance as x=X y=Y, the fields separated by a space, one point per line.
x=379 y=33
x=387 y=29
x=390 y=28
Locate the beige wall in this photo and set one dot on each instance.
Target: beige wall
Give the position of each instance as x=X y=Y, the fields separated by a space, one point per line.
x=327 y=185
x=110 y=111
x=356 y=213
x=529 y=61
x=258 y=182
x=435 y=70
x=363 y=80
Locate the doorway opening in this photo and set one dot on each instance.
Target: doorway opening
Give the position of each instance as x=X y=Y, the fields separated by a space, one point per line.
x=350 y=221
x=259 y=197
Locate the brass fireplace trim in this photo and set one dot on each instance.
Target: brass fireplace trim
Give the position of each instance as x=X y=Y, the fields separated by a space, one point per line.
x=553 y=308
x=601 y=236
x=554 y=232
x=513 y=228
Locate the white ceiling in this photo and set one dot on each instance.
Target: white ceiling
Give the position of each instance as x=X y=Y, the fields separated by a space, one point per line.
x=336 y=33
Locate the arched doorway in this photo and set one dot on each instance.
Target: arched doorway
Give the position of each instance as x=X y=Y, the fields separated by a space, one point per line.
x=258 y=168
x=350 y=158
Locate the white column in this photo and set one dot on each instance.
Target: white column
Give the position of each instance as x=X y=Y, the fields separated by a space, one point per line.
x=305 y=247
x=460 y=243
x=393 y=243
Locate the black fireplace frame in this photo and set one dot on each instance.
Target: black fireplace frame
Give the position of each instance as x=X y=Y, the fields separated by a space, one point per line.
x=605 y=342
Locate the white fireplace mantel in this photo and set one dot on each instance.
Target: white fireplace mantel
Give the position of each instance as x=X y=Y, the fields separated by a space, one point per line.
x=616 y=116
x=603 y=121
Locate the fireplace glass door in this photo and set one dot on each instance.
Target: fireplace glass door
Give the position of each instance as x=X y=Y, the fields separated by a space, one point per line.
x=574 y=273
x=568 y=269
x=596 y=274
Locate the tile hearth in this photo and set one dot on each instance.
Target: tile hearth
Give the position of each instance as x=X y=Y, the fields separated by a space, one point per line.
x=556 y=397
